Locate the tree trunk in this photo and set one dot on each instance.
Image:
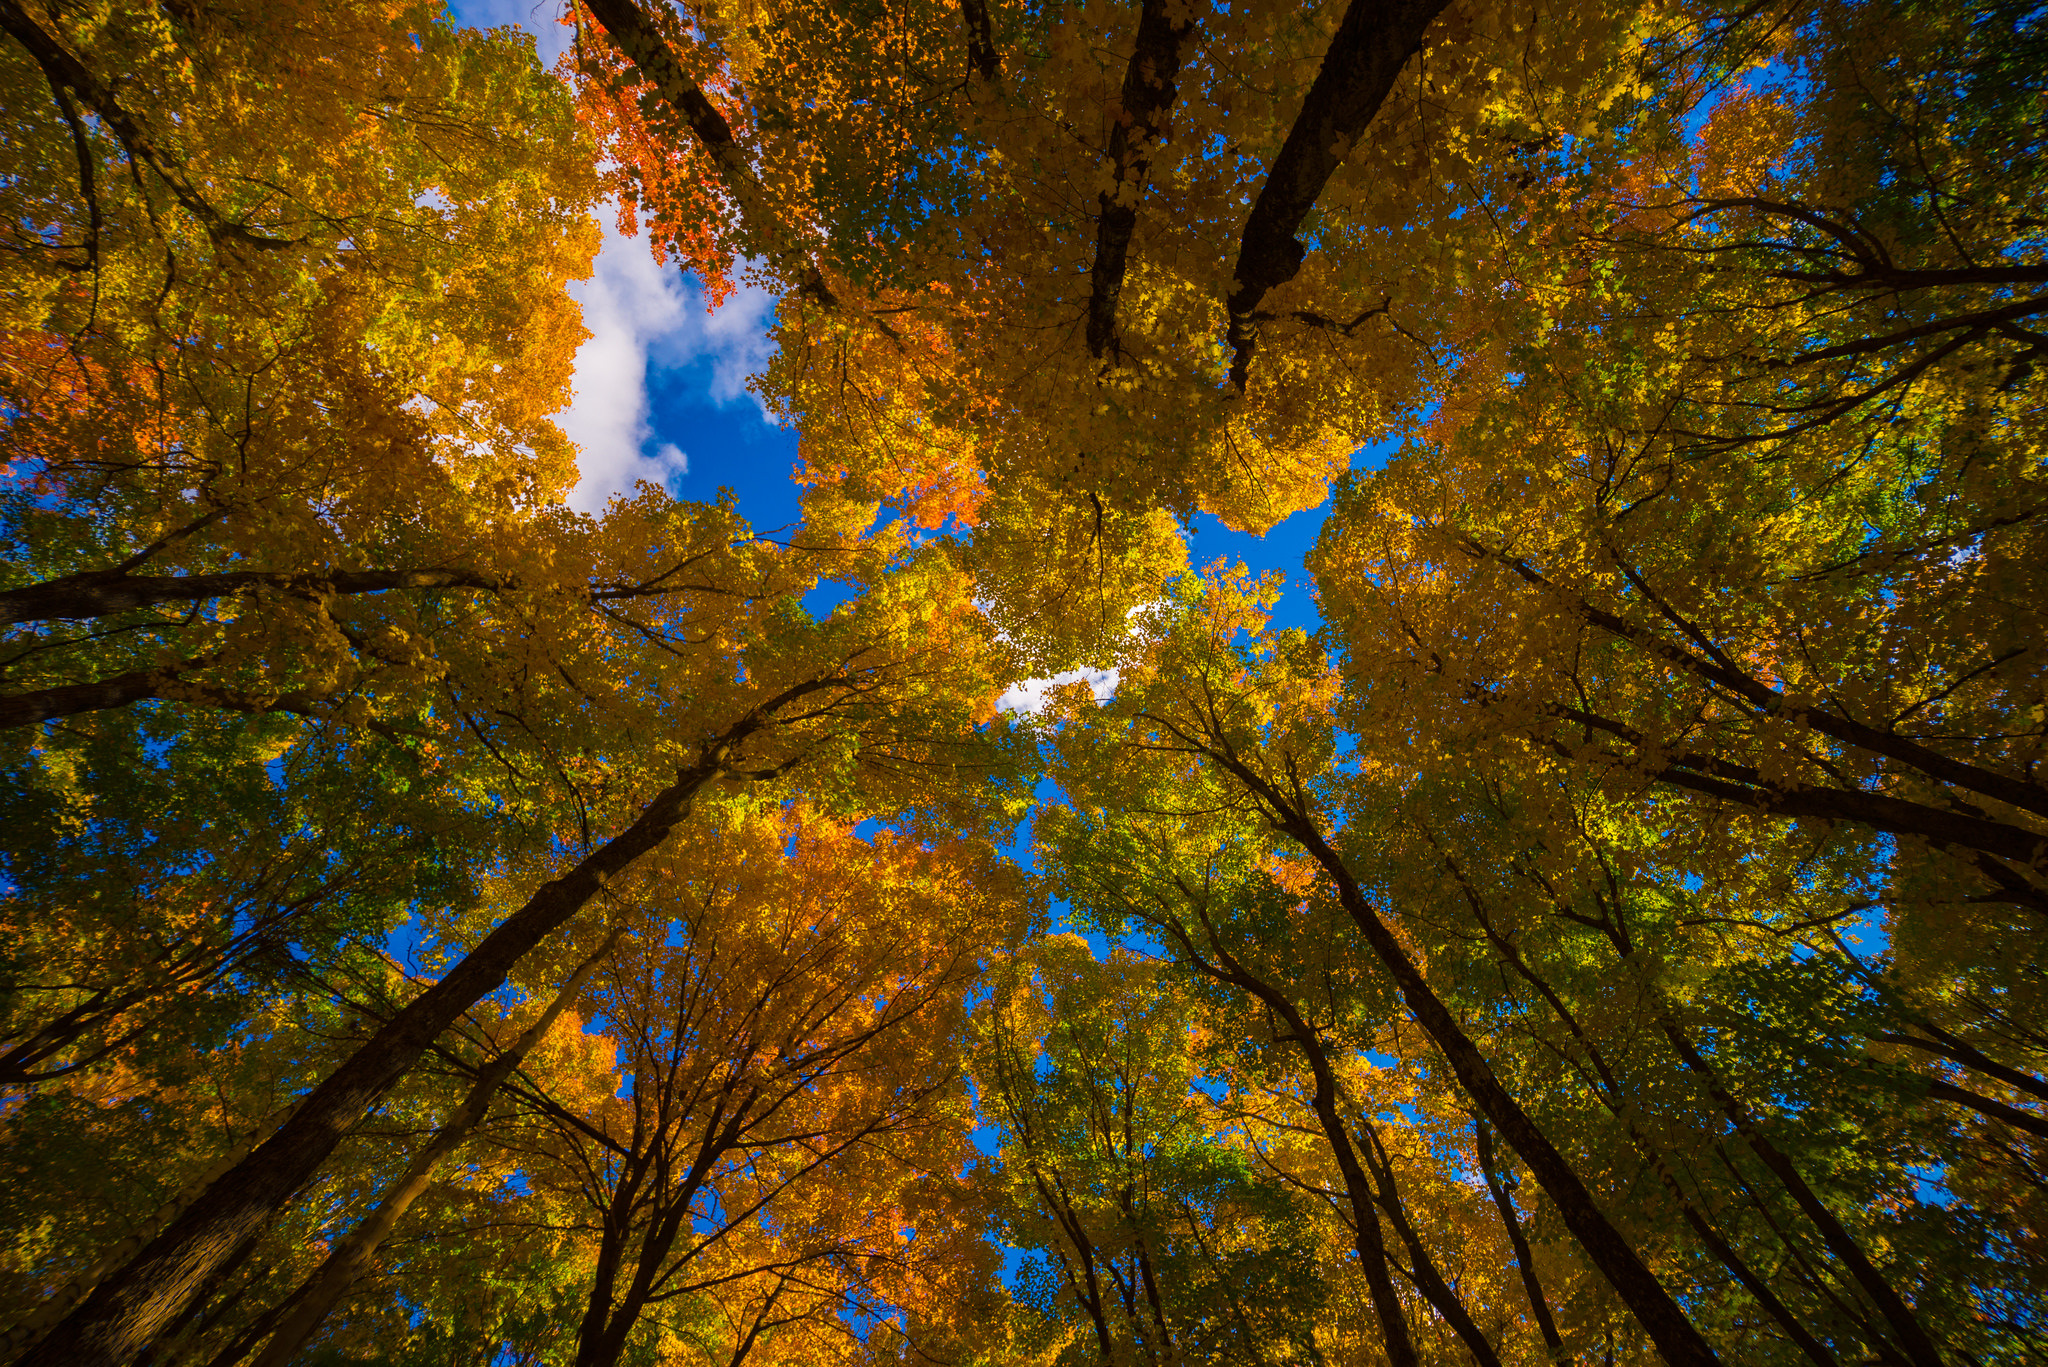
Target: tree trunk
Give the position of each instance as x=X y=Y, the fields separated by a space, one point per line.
x=356 y=1254
x=1661 y=1316
x=1372 y=43
x=126 y=1312
x=1371 y=1245
x=1428 y=1280
x=1920 y=1349
x=1524 y=1261
x=1140 y=121
x=100 y=594
x=22 y=1335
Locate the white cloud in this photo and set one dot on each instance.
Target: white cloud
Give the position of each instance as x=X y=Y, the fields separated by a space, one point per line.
x=1028 y=695
x=733 y=338
x=641 y=314
x=629 y=304
x=638 y=313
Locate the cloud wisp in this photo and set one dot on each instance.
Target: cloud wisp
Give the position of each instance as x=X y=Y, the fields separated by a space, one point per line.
x=1028 y=695
x=643 y=315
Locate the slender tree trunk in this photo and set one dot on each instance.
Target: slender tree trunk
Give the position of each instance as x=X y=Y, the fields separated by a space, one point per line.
x=1720 y=670
x=1989 y=1106
x=356 y=1254
x=1524 y=1261
x=1146 y=1279
x=1609 y=1093
x=746 y=1344
x=1949 y=1047
x=1920 y=1349
x=1373 y=42
x=126 y=1311
x=601 y=1339
x=1675 y=1335
x=1365 y=1220
x=243 y=1343
x=1816 y=1352
x=1427 y=1278
x=597 y=1311
x=1089 y=1287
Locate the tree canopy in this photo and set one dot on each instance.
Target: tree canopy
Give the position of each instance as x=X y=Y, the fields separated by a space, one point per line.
x=442 y=926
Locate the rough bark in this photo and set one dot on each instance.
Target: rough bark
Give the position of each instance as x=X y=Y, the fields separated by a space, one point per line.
x=127 y=1311
x=1373 y=42
x=981 y=39
x=22 y=1335
x=1140 y=120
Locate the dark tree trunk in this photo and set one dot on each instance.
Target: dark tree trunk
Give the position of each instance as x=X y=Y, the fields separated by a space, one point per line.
x=981 y=41
x=126 y=1311
x=1674 y=1334
x=1140 y=121
x=1539 y=1306
x=1920 y=1349
x=101 y=594
x=1372 y=43
x=1427 y=1278
x=356 y=1254
x=68 y=700
x=1365 y=1220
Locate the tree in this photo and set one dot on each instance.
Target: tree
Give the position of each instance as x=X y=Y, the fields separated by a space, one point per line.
x=785 y=1014
x=848 y=711
x=1151 y=1240
x=1611 y=937
x=260 y=338
x=1016 y=248
x=1615 y=1007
